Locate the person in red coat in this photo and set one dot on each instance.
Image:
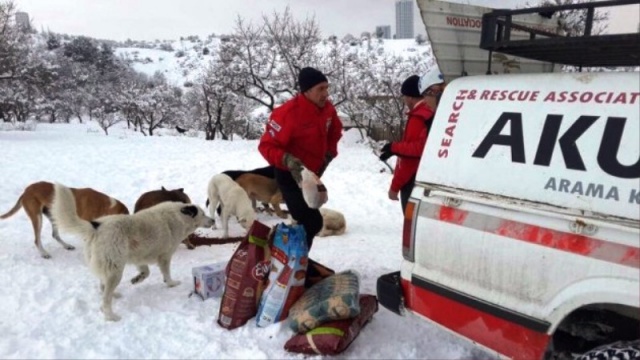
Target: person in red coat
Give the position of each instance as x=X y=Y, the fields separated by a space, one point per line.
x=421 y=96
x=304 y=131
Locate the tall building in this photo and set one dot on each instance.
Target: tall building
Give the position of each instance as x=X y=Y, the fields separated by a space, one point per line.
x=22 y=20
x=404 y=19
x=383 y=31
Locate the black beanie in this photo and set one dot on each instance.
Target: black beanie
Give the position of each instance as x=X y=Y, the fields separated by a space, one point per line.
x=410 y=87
x=310 y=77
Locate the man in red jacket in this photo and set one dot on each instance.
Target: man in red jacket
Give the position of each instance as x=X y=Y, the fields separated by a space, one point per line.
x=303 y=131
x=420 y=95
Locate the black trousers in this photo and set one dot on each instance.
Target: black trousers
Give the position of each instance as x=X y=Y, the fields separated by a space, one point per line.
x=309 y=218
x=405 y=193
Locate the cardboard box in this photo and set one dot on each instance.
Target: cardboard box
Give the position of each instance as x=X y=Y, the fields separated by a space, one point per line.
x=208 y=280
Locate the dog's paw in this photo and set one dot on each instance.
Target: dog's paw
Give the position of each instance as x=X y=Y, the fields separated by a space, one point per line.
x=172 y=283
x=112 y=317
x=70 y=247
x=46 y=256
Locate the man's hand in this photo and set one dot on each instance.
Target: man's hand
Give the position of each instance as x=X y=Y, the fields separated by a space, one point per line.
x=385 y=152
x=393 y=195
x=327 y=160
x=295 y=166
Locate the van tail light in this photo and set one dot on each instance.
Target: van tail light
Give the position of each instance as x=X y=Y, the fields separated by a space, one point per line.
x=408 y=230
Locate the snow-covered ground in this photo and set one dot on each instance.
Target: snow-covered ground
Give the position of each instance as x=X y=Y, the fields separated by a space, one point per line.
x=50 y=308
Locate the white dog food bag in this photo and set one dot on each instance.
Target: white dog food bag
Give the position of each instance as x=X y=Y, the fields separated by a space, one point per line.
x=313 y=190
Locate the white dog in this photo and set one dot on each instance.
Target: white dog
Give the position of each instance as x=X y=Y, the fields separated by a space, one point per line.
x=234 y=201
x=333 y=222
x=147 y=237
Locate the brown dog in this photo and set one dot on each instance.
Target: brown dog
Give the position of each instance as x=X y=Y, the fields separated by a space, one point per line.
x=36 y=201
x=263 y=189
x=155 y=197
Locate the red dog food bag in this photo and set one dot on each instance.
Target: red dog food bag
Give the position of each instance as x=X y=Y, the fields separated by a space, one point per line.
x=334 y=337
x=247 y=273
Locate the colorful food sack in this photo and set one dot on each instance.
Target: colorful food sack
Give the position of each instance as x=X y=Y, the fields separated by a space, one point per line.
x=246 y=277
x=334 y=337
x=334 y=298
x=289 y=258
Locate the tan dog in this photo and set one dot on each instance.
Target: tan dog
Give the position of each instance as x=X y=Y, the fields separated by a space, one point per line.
x=263 y=189
x=36 y=201
x=150 y=236
x=156 y=197
x=333 y=222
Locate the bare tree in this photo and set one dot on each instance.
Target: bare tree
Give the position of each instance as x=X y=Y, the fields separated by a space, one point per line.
x=267 y=58
x=572 y=22
x=295 y=43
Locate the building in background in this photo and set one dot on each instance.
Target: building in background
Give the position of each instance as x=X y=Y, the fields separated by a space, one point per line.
x=22 y=20
x=404 y=19
x=383 y=31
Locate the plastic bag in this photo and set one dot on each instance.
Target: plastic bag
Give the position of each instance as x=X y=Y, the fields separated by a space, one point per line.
x=313 y=190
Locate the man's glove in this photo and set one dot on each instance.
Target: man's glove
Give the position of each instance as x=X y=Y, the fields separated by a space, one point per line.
x=327 y=160
x=385 y=152
x=295 y=166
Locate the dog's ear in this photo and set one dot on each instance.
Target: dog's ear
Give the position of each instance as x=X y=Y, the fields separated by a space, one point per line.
x=181 y=190
x=190 y=210
x=162 y=188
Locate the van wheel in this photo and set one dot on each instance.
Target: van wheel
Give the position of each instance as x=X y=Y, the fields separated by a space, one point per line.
x=620 y=350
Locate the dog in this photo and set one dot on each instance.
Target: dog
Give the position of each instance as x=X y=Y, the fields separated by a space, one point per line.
x=36 y=201
x=263 y=189
x=155 y=197
x=235 y=201
x=146 y=237
x=267 y=171
x=333 y=222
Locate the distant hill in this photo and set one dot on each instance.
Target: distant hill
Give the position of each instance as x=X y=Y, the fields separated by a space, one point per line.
x=182 y=61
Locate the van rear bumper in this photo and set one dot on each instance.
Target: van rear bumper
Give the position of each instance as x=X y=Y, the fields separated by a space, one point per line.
x=389 y=292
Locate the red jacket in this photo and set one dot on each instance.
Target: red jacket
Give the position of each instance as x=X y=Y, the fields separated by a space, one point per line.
x=409 y=149
x=300 y=128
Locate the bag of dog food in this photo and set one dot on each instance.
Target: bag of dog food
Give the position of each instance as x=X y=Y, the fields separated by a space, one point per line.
x=334 y=298
x=289 y=259
x=246 y=278
x=313 y=190
x=334 y=337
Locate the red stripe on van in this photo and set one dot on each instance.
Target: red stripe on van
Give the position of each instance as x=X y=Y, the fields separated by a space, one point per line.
x=569 y=242
x=505 y=337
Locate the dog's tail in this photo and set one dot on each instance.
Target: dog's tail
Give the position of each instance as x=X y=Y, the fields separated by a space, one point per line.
x=13 y=210
x=65 y=216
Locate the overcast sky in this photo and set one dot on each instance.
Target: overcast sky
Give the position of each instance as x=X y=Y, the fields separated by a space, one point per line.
x=170 y=19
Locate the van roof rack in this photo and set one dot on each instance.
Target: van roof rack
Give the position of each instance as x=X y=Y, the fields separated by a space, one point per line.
x=586 y=50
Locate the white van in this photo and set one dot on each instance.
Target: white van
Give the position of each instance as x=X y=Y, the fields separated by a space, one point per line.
x=523 y=230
